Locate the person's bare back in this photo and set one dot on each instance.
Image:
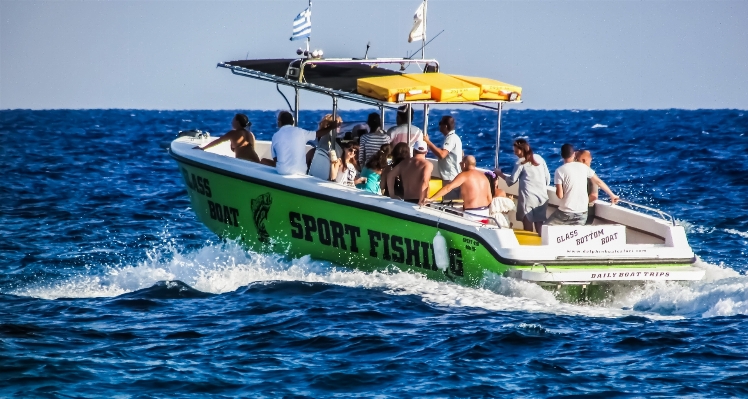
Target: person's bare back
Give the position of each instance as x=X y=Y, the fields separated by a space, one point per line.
x=475 y=190
x=415 y=174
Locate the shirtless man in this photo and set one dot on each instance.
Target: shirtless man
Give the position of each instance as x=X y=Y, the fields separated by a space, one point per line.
x=415 y=173
x=474 y=189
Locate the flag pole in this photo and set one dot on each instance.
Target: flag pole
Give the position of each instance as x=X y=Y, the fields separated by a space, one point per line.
x=308 y=38
x=423 y=40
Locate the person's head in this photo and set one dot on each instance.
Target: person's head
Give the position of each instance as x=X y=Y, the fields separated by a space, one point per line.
x=359 y=130
x=420 y=148
x=446 y=124
x=386 y=150
x=468 y=163
x=240 y=121
x=400 y=153
x=325 y=121
x=584 y=157
x=402 y=114
x=349 y=152
x=522 y=149
x=285 y=118
x=377 y=162
x=567 y=152
x=374 y=121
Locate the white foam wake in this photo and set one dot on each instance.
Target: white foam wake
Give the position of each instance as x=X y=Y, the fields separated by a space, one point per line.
x=220 y=268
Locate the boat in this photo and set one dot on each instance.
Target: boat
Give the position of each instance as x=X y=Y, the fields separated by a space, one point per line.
x=300 y=215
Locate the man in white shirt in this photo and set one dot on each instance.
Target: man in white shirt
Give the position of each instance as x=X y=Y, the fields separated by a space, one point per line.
x=288 y=147
x=399 y=133
x=449 y=156
x=571 y=188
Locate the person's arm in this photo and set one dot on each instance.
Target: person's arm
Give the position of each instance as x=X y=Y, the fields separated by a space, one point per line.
x=547 y=174
x=327 y=129
x=457 y=182
x=511 y=179
x=559 y=184
x=334 y=169
x=425 y=183
x=559 y=191
x=439 y=152
x=613 y=198
x=363 y=141
x=391 y=180
x=226 y=137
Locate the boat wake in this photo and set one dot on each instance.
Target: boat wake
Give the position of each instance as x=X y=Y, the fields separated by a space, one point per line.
x=225 y=267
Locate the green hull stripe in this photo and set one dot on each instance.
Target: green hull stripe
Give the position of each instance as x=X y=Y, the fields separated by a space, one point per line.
x=431 y=223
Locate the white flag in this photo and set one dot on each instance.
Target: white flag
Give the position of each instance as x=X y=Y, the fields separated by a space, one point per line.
x=416 y=33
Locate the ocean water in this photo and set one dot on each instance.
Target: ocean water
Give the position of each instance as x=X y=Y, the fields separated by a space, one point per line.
x=110 y=287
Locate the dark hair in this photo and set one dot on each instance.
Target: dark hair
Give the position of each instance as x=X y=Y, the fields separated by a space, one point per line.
x=347 y=146
x=377 y=161
x=374 y=121
x=400 y=153
x=285 y=118
x=526 y=150
x=567 y=151
x=491 y=182
x=386 y=149
x=449 y=121
x=243 y=120
x=402 y=114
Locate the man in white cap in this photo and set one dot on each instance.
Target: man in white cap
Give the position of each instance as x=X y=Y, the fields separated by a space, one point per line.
x=415 y=173
x=449 y=156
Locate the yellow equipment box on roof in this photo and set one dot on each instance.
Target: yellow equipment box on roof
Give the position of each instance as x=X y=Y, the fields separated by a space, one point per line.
x=388 y=87
x=492 y=89
x=445 y=88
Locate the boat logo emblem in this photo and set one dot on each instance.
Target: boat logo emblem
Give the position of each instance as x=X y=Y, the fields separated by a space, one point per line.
x=260 y=209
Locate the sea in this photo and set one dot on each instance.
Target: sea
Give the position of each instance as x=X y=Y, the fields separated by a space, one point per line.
x=111 y=288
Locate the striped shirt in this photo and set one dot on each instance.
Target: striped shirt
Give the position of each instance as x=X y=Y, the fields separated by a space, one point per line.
x=370 y=144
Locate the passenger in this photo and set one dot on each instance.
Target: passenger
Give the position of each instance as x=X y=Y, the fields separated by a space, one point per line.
x=415 y=173
x=532 y=173
x=399 y=133
x=571 y=188
x=475 y=190
x=374 y=140
x=358 y=131
x=372 y=173
x=500 y=204
x=343 y=170
x=242 y=140
x=400 y=152
x=449 y=156
x=386 y=149
x=585 y=157
x=288 y=147
x=320 y=164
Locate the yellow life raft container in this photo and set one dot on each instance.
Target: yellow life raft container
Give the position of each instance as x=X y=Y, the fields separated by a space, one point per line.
x=445 y=88
x=492 y=89
x=388 y=87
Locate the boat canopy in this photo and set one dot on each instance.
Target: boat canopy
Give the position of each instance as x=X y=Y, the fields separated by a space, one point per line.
x=369 y=81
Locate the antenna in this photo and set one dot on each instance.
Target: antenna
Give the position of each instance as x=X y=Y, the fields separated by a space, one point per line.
x=427 y=43
x=366 y=55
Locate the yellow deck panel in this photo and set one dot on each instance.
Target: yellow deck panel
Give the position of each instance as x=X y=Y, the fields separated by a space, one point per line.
x=434 y=186
x=492 y=89
x=388 y=87
x=445 y=88
x=527 y=237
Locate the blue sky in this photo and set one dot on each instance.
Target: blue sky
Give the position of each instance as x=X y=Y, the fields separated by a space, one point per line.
x=565 y=54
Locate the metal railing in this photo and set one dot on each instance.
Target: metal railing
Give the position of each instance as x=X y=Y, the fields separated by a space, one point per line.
x=447 y=207
x=664 y=215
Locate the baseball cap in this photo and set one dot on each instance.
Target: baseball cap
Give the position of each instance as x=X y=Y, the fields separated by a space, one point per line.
x=420 y=146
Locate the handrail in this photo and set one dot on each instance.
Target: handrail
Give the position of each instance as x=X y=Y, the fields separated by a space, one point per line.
x=442 y=207
x=664 y=215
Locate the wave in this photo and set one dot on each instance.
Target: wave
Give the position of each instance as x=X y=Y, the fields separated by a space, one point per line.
x=226 y=267
x=598 y=126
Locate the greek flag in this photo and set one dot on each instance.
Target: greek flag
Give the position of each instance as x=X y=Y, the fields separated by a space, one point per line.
x=302 y=24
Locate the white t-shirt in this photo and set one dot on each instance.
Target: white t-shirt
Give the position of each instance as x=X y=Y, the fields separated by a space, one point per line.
x=399 y=134
x=289 y=147
x=573 y=177
x=449 y=167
